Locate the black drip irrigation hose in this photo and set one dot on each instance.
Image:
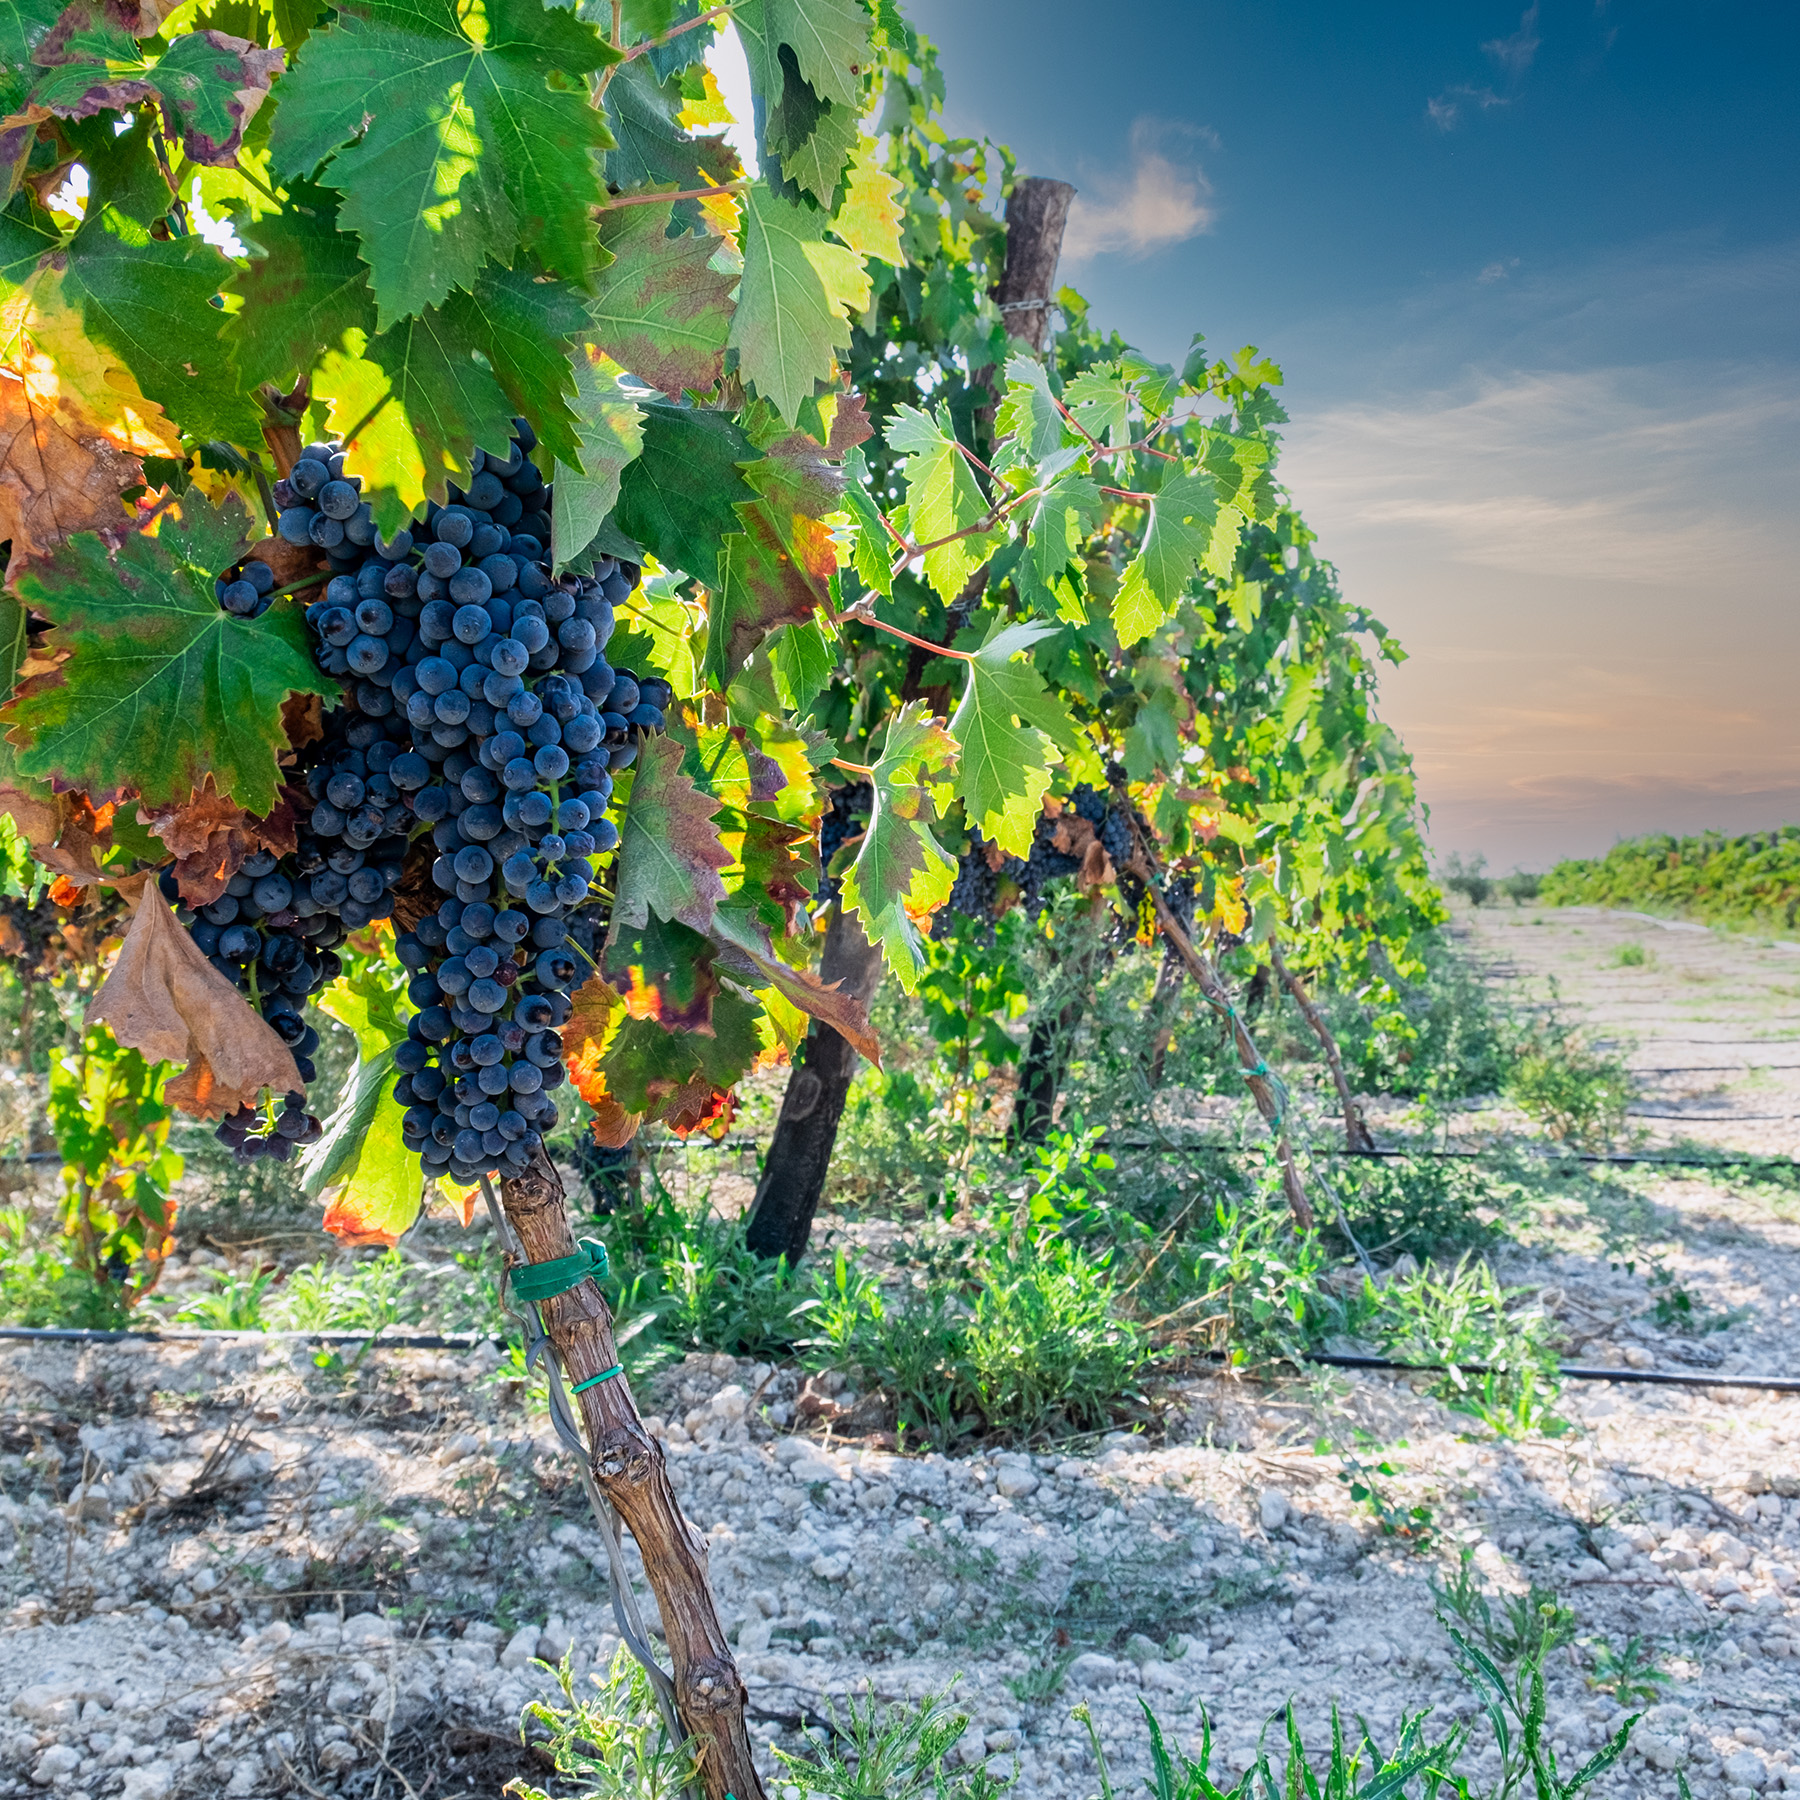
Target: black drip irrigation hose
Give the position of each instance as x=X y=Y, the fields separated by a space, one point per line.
x=64 y=1334
x=1776 y=1384
x=1220 y=1148
x=69 y=1334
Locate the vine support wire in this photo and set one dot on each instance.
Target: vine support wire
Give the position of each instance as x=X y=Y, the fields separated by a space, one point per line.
x=626 y=1612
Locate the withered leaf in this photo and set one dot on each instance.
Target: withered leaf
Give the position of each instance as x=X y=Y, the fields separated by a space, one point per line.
x=210 y=836
x=162 y=997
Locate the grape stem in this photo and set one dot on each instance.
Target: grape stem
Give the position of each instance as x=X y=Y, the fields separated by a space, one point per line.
x=305 y=581
x=837 y=762
x=850 y=616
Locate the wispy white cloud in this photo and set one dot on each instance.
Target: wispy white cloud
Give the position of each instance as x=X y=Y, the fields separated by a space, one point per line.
x=1595 y=574
x=1606 y=474
x=1445 y=111
x=1514 y=54
x=1161 y=201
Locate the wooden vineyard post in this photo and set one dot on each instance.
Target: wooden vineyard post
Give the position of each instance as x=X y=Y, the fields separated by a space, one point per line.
x=629 y=1466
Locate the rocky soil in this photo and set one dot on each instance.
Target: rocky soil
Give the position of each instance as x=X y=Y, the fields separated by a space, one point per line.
x=226 y=1570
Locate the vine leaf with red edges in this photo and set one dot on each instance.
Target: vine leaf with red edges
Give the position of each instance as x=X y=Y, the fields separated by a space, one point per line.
x=163 y=688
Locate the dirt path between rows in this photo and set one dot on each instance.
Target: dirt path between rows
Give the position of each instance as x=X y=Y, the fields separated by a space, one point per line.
x=227 y=1571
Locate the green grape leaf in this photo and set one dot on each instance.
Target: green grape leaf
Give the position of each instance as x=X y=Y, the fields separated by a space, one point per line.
x=612 y=433
x=817 y=164
x=661 y=629
x=1240 y=465
x=869 y=218
x=680 y=1077
x=804 y=660
x=1029 y=414
x=525 y=326
x=1185 y=515
x=1153 y=739
x=1101 y=404
x=369 y=1181
x=670 y=851
x=655 y=19
x=661 y=308
x=305 y=289
x=901 y=874
x=457 y=137
x=161 y=681
x=873 y=539
x=677 y=497
x=663 y=971
x=1060 y=522
x=150 y=300
x=1006 y=726
x=942 y=497
x=795 y=301
x=409 y=405
x=829 y=39
x=206 y=83
x=651 y=147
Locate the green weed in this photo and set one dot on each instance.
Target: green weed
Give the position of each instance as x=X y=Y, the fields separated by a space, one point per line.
x=613 y=1742
x=877 y=1752
x=1627 y=1673
x=1466 y=1318
x=1630 y=956
x=1365 y=1467
x=1525 y=1628
x=235 y=1303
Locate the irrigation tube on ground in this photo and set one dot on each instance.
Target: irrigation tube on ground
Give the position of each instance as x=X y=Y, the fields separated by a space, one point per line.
x=61 y=1334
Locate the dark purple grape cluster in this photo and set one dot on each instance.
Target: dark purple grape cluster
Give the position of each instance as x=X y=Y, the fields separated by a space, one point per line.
x=292 y=1128
x=479 y=711
x=494 y=674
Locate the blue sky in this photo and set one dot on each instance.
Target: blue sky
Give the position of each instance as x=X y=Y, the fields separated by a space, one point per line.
x=1534 y=277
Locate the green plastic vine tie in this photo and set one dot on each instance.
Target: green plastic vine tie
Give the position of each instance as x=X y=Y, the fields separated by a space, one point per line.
x=545 y=1280
x=581 y=1387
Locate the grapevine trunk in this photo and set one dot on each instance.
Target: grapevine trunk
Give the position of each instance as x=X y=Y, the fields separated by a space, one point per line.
x=629 y=1465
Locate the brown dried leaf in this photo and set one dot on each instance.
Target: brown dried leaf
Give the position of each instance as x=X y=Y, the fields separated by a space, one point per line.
x=1096 y=868
x=287 y=562
x=210 y=836
x=162 y=997
x=417 y=895
x=303 y=719
x=61 y=470
x=850 y=426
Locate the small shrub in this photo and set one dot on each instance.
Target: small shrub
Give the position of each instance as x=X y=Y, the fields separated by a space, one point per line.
x=1419 y=1205
x=1578 y=1094
x=1470 y=879
x=613 y=1742
x=40 y=1285
x=1630 y=956
x=1044 y=1346
x=877 y=1752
